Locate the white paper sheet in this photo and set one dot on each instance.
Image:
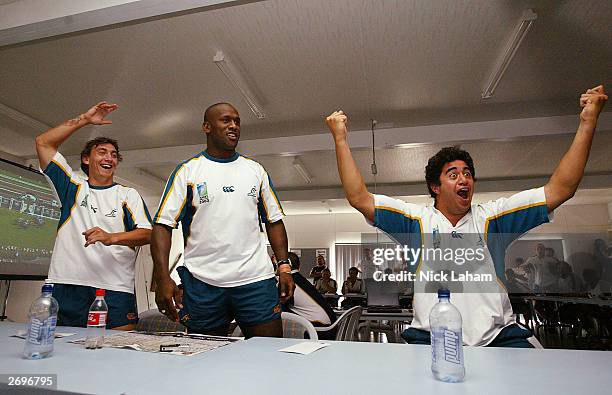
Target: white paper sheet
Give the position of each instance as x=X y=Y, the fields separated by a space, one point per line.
x=304 y=348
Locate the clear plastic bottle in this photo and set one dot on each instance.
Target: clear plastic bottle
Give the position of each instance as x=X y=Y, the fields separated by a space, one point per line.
x=96 y=321
x=42 y=320
x=446 y=340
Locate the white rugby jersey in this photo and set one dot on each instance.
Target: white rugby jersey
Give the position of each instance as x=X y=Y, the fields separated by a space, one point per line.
x=113 y=208
x=219 y=203
x=492 y=226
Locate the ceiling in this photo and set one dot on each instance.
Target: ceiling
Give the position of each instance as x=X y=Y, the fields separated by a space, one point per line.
x=417 y=67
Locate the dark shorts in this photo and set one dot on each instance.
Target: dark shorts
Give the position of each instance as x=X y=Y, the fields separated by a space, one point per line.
x=511 y=336
x=207 y=308
x=74 y=302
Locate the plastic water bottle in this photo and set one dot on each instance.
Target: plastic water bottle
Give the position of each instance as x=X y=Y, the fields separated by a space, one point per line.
x=42 y=319
x=446 y=340
x=96 y=321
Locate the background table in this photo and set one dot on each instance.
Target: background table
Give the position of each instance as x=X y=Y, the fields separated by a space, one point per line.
x=255 y=366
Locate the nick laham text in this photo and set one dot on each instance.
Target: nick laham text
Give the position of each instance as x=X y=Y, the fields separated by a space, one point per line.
x=427 y=276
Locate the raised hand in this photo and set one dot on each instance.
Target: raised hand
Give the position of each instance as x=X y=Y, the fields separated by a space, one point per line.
x=97 y=113
x=336 y=123
x=592 y=102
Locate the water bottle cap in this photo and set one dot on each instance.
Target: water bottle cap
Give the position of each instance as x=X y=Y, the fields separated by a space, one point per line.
x=100 y=292
x=443 y=293
x=47 y=288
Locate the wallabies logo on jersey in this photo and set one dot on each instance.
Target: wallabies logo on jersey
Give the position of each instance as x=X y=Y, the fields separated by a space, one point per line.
x=203 y=193
x=253 y=192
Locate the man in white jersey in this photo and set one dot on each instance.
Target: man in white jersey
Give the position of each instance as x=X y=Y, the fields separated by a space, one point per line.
x=100 y=226
x=220 y=198
x=487 y=316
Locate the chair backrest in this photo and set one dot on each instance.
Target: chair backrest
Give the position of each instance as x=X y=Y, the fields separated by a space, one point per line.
x=348 y=324
x=297 y=327
x=154 y=321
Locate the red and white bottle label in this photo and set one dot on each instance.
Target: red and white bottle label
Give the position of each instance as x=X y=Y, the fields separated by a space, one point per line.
x=96 y=318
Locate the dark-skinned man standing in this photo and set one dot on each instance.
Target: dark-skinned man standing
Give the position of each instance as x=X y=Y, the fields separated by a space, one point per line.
x=219 y=197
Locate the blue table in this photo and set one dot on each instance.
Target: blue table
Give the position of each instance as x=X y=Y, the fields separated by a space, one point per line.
x=255 y=366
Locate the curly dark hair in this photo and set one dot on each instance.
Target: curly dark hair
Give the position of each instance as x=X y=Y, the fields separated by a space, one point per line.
x=433 y=170
x=91 y=144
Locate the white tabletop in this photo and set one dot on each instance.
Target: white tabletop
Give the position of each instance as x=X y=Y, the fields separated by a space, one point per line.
x=255 y=366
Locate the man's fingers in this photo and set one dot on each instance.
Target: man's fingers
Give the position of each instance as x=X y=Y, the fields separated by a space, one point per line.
x=91 y=230
x=178 y=298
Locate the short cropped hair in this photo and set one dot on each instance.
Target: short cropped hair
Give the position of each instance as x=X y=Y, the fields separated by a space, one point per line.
x=209 y=108
x=91 y=144
x=433 y=170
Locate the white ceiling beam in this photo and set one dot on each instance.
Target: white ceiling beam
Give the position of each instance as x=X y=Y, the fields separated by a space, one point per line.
x=28 y=20
x=385 y=138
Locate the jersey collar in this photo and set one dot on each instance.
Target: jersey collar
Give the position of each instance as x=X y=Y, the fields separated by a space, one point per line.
x=221 y=160
x=102 y=186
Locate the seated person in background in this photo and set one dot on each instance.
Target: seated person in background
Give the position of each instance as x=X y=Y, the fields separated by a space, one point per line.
x=315 y=273
x=307 y=302
x=567 y=280
x=515 y=285
x=353 y=285
x=593 y=284
x=326 y=284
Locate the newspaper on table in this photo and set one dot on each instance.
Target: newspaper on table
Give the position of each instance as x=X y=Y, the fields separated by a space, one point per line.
x=176 y=343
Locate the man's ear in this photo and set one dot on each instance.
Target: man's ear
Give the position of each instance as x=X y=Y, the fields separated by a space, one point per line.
x=206 y=127
x=435 y=188
x=85 y=159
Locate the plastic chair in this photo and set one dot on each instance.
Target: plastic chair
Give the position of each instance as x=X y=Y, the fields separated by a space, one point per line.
x=296 y=327
x=346 y=326
x=154 y=321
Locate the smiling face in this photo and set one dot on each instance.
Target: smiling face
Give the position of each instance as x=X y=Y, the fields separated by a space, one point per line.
x=454 y=194
x=222 y=128
x=102 y=162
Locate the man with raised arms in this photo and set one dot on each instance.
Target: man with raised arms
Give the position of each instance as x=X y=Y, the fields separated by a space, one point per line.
x=100 y=226
x=450 y=176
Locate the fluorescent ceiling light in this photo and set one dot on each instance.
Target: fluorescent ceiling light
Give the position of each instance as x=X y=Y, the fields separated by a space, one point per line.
x=517 y=37
x=301 y=169
x=236 y=79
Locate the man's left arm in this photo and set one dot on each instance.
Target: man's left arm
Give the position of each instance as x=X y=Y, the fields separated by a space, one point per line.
x=277 y=236
x=566 y=177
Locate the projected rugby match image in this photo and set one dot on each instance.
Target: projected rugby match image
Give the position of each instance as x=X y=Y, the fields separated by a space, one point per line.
x=29 y=215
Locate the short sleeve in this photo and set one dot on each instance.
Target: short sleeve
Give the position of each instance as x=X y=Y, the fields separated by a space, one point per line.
x=173 y=201
x=59 y=172
x=517 y=214
x=270 y=209
x=395 y=217
x=135 y=212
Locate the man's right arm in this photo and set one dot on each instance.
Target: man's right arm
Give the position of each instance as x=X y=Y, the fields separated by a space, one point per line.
x=48 y=142
x=352 y=181
x=167 y=294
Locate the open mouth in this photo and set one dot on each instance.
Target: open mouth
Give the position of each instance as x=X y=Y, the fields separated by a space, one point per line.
x=463 y=193
x=106 y=166
x=232 y=136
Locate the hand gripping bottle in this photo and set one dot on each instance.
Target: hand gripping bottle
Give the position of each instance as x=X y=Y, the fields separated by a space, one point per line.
x=96 y=321
x=446 y=340
x=42 y=319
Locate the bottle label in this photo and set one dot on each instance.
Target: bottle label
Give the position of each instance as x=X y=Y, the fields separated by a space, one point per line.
x=41 y=332
x=452 y=346
x=96 y=318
